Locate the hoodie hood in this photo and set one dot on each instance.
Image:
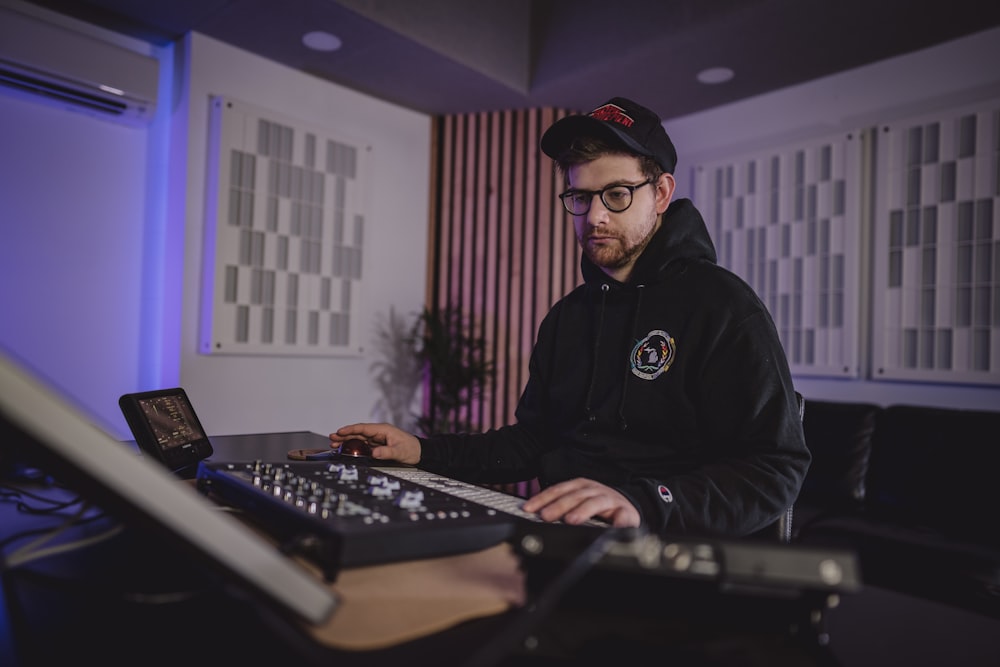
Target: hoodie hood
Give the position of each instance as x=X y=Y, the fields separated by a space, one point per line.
x=682 y=236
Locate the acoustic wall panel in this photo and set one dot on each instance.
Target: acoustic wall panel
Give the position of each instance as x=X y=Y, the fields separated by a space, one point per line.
x=787 y=219
x=937 y=247
x=285 y=226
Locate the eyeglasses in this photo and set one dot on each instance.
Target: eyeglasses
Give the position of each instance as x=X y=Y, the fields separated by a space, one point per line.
x=616 y=198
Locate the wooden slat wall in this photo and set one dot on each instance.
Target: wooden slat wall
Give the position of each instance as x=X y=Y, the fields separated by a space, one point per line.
x=502 y=249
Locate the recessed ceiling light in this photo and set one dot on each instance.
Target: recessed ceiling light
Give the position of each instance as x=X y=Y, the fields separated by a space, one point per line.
x=715 y=75
x=318 y=40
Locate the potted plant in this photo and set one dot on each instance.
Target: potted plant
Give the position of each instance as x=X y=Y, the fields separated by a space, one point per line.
x=397 y=371
x=440 y=352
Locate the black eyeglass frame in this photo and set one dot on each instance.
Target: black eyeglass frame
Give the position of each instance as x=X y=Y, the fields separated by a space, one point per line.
x=590 y=199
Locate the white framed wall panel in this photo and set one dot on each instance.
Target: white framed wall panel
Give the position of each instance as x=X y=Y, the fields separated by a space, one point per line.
x=936 y=273
x=284 y=236
x=788 y=221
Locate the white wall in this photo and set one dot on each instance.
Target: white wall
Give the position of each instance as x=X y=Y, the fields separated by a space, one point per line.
x=948 y=75
x=244 y=394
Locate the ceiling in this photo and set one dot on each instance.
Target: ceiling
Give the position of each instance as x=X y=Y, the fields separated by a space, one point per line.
x=463 y=56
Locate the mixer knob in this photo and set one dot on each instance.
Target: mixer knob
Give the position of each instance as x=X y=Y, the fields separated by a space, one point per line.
x=411 y=500
x=380 y=492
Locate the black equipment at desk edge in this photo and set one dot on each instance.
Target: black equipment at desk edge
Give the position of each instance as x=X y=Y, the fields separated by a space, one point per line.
x=729 y=563
x=560 y=563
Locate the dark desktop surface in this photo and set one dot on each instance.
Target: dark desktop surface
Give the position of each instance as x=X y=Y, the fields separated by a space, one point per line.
x=126 y=600
x=258 y=446
x=264 y=446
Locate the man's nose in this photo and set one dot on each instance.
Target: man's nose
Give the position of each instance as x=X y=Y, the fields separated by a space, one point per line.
x=598 y=212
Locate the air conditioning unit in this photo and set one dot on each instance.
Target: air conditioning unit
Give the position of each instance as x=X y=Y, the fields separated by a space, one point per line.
x=51 y=62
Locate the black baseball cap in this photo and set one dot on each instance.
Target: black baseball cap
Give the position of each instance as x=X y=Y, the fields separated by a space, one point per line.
x=620 y=120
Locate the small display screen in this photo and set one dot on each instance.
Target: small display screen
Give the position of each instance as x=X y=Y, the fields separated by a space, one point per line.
x=165 y=426
x=172 y=420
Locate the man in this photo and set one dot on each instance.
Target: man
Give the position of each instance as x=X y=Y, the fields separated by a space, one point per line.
x=659 y=394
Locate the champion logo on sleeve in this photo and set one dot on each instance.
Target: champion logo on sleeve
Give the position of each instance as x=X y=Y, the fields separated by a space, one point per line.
x=665 y=494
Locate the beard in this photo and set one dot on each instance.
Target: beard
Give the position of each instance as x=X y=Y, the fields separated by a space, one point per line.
x=618 y=250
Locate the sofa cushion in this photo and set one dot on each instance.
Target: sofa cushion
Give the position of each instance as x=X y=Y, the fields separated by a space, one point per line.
x=925 y=517
x=937 y=468
x=839 y=436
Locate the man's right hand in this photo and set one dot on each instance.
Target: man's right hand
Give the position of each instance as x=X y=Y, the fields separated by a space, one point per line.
x=576 y=501
x=388 y=443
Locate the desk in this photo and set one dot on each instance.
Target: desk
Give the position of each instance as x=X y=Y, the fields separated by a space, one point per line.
x=73 y=608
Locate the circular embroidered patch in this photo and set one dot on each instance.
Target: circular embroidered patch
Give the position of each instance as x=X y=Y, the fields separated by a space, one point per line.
x=665 y=494
x=653 y=355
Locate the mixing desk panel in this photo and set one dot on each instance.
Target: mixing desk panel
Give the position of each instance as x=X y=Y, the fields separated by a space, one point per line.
x=345 y=513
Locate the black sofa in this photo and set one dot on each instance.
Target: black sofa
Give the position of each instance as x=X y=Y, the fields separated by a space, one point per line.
x=914 y=491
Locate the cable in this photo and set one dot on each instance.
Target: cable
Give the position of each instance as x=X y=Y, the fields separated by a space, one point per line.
x=38 y=531
x=33 y=551
x=17 y=559
x=41 y=546
x=10 y=492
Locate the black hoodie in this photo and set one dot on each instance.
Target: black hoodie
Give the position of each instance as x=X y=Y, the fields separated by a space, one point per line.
x=672 y=388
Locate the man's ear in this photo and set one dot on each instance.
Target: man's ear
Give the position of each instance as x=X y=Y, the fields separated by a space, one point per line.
x=665 y=185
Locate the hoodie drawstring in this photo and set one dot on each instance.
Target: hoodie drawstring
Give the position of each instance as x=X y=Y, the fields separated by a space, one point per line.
x=622 y=423
x=605 y=288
